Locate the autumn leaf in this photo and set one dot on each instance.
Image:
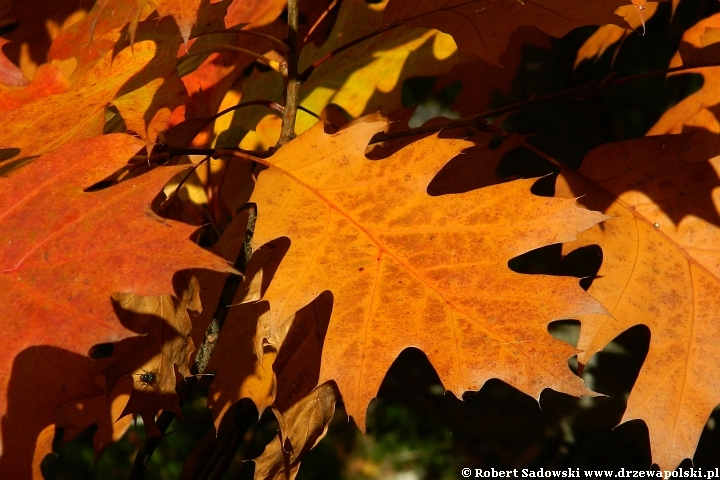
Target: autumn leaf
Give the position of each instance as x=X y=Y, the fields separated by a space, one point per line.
x=148 y=99
x=365 y=78
x=484 y=28
x=407 y=269
x=10 y=74
x=608 y=35
x=368 y=77
x=163 y=348
x=253 y=12
x=61 y=256
x=36 y=127
x=103 y=410
x=660 y=268
x=48 y=80
x=302 y=426
x=698 y=109
x=184 y=12
x=242 y=369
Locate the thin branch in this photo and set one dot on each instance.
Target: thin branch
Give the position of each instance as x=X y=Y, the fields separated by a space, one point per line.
x=248 y=155
x=282 y=46
x=542 y=154
x=319 y=20
x=265 y=103
x=308 y=71
x=185 y=179
x=590 y=88
x=309 y=112
x=292 y=91
x=219 y=47
x=220 y=152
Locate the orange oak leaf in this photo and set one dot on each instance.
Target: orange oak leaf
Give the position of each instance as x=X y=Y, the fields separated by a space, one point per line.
x=302 y=426
x=242 y=363
x=36 y=127
x=660 y=268
x=147 y=100
x=698 y=110
x=65 y=251
x=184 y=12
x=484 y=28
x=48 y=80
x=37 y=22
x=42 y=379
x=407 y=269
x=254 y=12
x=90 y=38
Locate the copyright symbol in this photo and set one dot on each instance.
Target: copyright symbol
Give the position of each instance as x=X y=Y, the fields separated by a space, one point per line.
x=466 y=472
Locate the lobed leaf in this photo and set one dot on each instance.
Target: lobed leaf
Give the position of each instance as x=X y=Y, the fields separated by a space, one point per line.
x=407 y=269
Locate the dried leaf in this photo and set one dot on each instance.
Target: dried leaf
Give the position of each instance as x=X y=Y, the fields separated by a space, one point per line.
x=302 y=426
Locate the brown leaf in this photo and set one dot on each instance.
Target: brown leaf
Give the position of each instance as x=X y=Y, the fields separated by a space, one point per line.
x=484 y=28
x=407 y=269
x=104 y=411
x=164 y=347
x=302 y=426
x=660 y=268
x=242 y=371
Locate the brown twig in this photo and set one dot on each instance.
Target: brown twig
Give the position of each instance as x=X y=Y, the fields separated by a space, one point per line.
x=282 y=46
x=319 y=20
x=292 y=90
x=265 y=103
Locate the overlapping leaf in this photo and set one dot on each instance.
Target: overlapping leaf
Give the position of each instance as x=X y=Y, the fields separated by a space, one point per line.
x=699 y=109
x=484 y=27
x=36 y=128
x=301 y=428
x=661 y=268
x=364 y=79
x=65 y=251
x=407 y=269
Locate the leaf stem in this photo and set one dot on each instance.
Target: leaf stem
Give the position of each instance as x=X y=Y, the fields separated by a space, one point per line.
x=292 y=92
x=265 y=103
x=218 y=47
x=308 y=71
x=317 y=23
x=282 y=46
